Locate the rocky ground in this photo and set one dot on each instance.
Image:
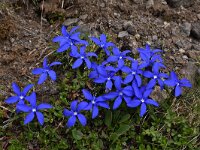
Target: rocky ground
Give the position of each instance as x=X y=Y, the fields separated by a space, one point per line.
x=26 y=33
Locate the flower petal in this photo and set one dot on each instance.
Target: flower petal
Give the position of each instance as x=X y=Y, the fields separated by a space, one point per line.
x=52 y=74
x=117 y=102
x=44 y=106
x=110 y=95
x=16 y=88
x=12 y=99
x=77 y=63
x=104 y=105
x=103 y=38
x=148 y=74
x=82 y=119
x=27 y=88
x=82 y=106
x=37 y=71
x=178 y=91
x=88 y=63
x=71 y=121
x=151 y=84
x=29 y=118
x=42 y=78
x=118 y=82
x=151 y=102
x=63 y=48
x=109 y=84
x=32 y=99
x=55 y=63
x=73 y=105
x=143 y=109
x=87 y=94
x=67 y=113
x=40 y=117
x=95 y=112
x=128 y=78
x=134 y=103
x=23 y=107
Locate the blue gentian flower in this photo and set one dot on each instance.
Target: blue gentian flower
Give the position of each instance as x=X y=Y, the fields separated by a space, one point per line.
x=94 y=103
x=150 y=56
x=82 y=56
x=133 y=73
x=119 y=57
x=20 y=95
x=45 y=71
x=106 y=74
x=94 y=73
x=120 y=93
x=177 y=84
x=102 y=43
x=142 y=99
x=155 y=76
x=74 y=113
x=69 y=39
x=33 y=109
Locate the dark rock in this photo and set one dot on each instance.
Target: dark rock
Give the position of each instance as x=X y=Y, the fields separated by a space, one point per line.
x=195 y=32
x=149 y=4
x=178 y=3
x=186 y=28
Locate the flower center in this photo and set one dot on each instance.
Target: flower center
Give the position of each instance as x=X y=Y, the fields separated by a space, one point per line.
x=142 y=100
x=75 y=113
x=155 y=77
x=177 y=84
x=71 y=43
x=133 y=72
x=33 y=110
x=21 y=97
x=108 y=78
x=93 y=102
x=120 y=57
x=120 y=93
x=102 y=45
x=82 y=57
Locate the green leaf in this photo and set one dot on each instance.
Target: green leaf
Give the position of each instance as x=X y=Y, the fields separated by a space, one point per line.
x=124 y=118
x=77 y=135
x=108 y=118
x=114 y=137
x=123 y=129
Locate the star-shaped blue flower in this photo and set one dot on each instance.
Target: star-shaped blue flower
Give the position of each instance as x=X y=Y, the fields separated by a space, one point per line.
x=82 y=56
x=155 y=76
x=177 y=84
x=102 y=43
x=133 y=73
x=94 y=103
x=119 y=57
x=106 y=74
x=20 y=95
x=74 y=113
x=120 y=93
x=142 y=99
x=69 y=39
x=45 y=71
x=33 y=109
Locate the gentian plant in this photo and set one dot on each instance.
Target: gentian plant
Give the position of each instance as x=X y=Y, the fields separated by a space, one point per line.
x=120 y=76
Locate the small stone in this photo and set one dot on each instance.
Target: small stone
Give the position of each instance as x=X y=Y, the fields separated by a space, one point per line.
x=149 y=4
x=83 y=17
x=194 y=54
x=181 y=50
x=70 y=21
x=185 y=57
x=179 y=3
x=137 y=36
x=198 y=16
x=186 y=28
x=195 y=32
x=123 y=34
x=155 y=38
x=102 y=5
x=196 y=47
x=159 y=95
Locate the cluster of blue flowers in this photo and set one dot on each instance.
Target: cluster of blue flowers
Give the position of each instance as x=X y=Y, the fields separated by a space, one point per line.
x=121 y=75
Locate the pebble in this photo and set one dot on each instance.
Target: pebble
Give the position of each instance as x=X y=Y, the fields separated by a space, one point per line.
x=185 y=57
x=195 y=32
x=149 y=4
x=70 y=21
x=122 y=34
x=186 y=28
x=198 y=16
x=83 y=17
x=181 y=50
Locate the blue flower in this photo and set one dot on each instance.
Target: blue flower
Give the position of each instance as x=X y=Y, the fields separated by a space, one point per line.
x=94 y=73
x=74 y=113
x=94 y=103
x=20 y=95
x=119 y=57
x=150 y=56
x=155 y=76
x=120 y=93
x=177 y=84
x=133 y=73
x=69 y=39
x=33 y=109
x=106 y=74
x=82 y=56
x=102 y=43
x=142 y=99
x=45 y=71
